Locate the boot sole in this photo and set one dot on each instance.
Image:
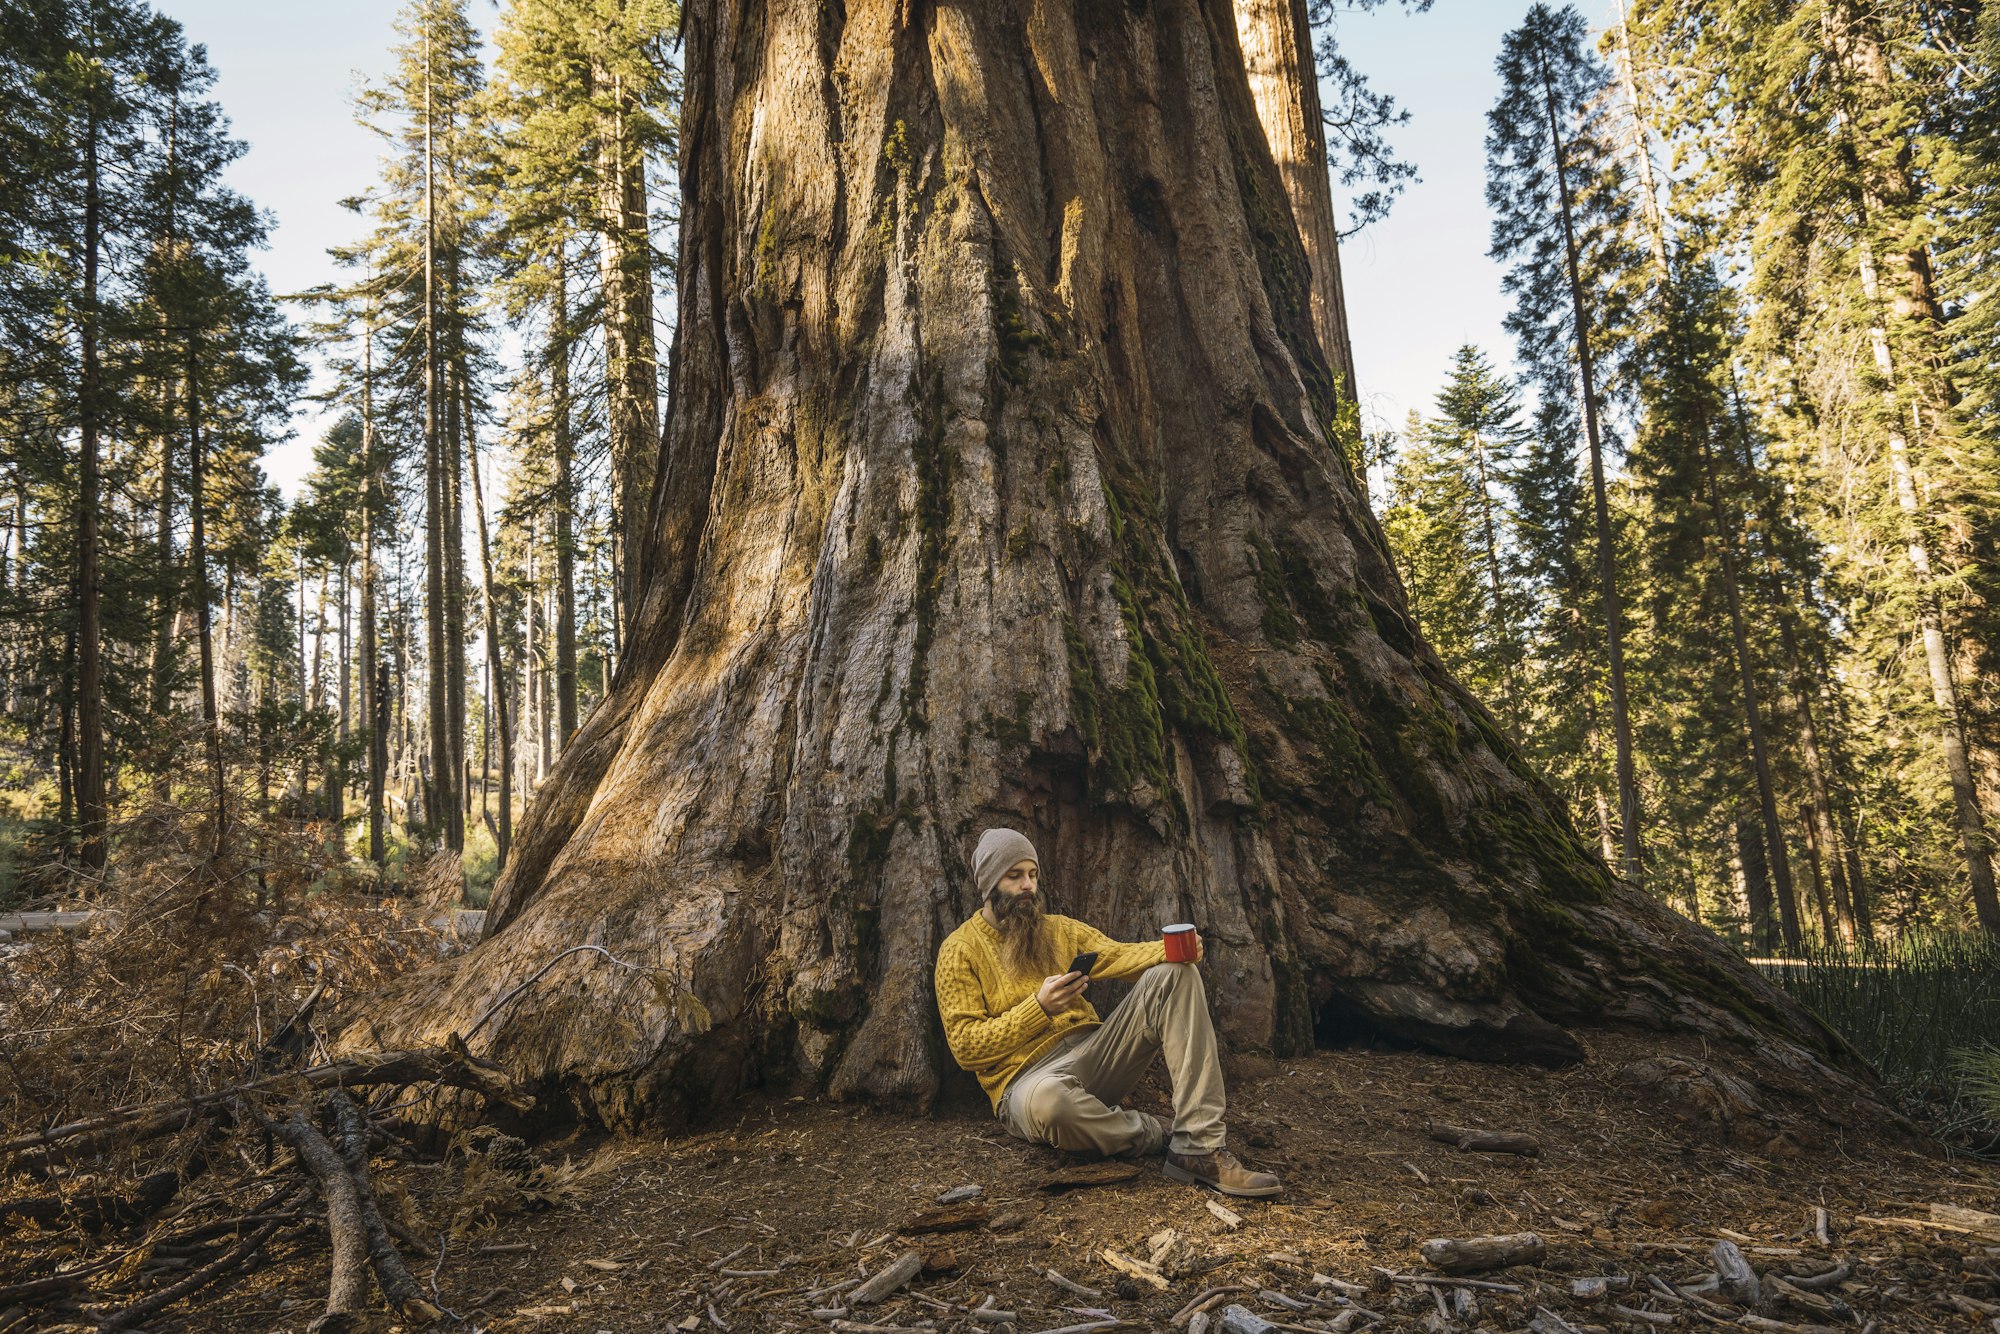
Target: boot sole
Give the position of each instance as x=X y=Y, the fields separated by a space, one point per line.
x=1181 y=1174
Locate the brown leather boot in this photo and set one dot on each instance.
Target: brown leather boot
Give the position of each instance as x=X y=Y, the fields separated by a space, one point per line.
x=1220 y=1171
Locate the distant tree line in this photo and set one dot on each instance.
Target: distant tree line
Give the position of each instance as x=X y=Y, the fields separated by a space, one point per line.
x=393 y=659
x=1722 y=557
x=174 y=635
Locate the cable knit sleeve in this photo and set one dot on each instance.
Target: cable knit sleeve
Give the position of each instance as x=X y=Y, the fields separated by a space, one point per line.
x=979 y=1039
x=1118 y=960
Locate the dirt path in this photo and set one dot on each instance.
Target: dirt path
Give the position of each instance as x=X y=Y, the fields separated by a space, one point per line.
x=750 y=1219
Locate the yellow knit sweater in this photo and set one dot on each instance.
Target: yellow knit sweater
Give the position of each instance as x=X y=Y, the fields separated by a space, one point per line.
x=991 y=1018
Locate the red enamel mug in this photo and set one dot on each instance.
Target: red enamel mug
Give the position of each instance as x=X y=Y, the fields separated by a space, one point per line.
x=1179 y=939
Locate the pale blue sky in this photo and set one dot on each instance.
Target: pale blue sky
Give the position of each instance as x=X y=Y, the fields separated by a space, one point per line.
x=1418 y=284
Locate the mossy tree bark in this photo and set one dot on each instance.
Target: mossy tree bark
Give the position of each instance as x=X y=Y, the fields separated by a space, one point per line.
x=998 y=489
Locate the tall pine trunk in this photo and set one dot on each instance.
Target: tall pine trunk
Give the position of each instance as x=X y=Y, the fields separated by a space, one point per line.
x=632 y=376
x=1777 y=856
x=976 y=430
x=496 y=666
x=441 y=800
x=91 y=808
x=455 y=446
x=374 y=672
x=565 y=516
x=1607 y=558
x=1887 y=183
x=211 y=711
x=166 y=608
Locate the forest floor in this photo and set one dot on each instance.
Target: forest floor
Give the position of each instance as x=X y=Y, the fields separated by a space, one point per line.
x=742 y=1226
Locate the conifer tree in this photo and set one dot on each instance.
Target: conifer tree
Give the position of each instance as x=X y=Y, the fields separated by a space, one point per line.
x=584 y=109
x=430 y=230
x=1449 y=525
x=1559 y=220
x=1830 y=133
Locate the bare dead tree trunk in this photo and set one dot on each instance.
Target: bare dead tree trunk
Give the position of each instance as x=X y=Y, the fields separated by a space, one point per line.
x=975 y=431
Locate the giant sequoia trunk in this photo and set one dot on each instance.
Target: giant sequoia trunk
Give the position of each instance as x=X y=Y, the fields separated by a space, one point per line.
x=997 y=489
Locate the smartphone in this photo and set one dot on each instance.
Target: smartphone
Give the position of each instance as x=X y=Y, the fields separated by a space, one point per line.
x=1084 y=962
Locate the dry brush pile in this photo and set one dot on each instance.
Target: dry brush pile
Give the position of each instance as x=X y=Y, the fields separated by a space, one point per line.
x=170 y=1116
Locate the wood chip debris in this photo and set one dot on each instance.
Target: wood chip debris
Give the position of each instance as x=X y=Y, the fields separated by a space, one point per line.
x=1135 y=1268
x=1471 y=1255
x=1486 y=1141
x=888 y=1279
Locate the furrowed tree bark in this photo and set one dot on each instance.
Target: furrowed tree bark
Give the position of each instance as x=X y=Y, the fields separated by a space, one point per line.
x=1276 y=39
x=996 y=408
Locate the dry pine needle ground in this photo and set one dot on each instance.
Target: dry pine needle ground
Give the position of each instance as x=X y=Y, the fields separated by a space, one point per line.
x=737 y=1226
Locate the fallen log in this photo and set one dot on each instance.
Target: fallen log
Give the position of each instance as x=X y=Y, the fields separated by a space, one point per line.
x=394 y=1277
x=1486 y=1141
x=1470 y=1255
x=149 y=1120
x=347 y=1290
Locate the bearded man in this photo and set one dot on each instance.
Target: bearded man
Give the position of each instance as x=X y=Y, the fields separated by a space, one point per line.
x=1055 y=1072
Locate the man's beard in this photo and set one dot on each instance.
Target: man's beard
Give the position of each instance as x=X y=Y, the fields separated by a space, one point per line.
x=1025 y=945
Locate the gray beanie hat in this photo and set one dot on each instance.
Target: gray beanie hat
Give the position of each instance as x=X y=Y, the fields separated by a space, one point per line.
x=998 y=850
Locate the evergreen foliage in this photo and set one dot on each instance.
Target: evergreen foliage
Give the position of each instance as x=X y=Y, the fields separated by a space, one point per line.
x=170 y=628
x=1790 y=326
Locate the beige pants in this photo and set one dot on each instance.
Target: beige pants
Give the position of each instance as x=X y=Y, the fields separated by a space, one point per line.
x=1069 y=1097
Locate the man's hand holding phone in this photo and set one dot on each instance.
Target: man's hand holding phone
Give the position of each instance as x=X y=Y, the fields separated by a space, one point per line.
x=1060 y=992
